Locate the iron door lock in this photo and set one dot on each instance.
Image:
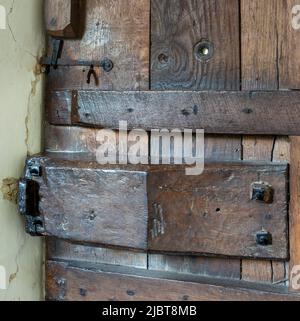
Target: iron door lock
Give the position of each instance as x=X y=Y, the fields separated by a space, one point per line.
x=28 y=198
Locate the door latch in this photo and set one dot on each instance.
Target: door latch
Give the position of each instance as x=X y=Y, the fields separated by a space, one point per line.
x=55 y=61
x=28 y=199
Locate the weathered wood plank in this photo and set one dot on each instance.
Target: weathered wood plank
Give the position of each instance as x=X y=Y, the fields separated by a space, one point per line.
x=177 y=26
x=113 y=32
x=205 y=266
x=78 y=203
x=80 y=143
x=257 y=149
x=63 y=17
x=288 y=44
x=259 y=44
x=159 y=208
x=294 y=217
x=216 y=112
x=70 y=282
x=289 y=64
x=206 y=210
x=260 y=71
x=58 y=249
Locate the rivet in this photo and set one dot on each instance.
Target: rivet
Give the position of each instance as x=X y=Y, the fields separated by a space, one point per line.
x=106 y=64
x=263 y=192
x=263 y=238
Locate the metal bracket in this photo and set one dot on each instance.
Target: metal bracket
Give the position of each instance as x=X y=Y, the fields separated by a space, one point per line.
x=29 y=198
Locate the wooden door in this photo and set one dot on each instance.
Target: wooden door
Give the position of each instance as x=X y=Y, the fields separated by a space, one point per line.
x=149 y=231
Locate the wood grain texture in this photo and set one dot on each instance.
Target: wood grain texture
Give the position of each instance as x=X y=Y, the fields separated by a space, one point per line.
x=260 y=71
x=63 y=17
x=114 y=32
x=176 y=28
x=289 y=64
x=160 y=209
x=257 y=149
x=216 y=112
x=110 y=283
x=77 y=203
x=80 y=143
x=259 y=44
x=121 y=35
x=200 y=204
x=58 y=249
x=288 y=45
x=206 y=266
x=294 y=209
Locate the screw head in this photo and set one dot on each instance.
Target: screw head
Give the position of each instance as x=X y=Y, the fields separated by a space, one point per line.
x=263 y=238
x=106 y=64
x=203 y=50
x=263 y=192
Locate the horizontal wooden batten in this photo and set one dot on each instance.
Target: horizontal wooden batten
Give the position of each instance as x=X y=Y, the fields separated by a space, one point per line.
x=161 y=210
x=91 y=282
x=228 y=112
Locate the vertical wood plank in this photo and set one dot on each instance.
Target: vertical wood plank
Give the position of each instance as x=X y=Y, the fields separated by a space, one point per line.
x=259 y=44
x=281 y=154
x=177 y=27
x=257 y=149
x=294 y=207
x=289 y=78
x=289 y=46
x=260 y=70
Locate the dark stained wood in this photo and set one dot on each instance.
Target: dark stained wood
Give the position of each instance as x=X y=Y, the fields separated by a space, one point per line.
x=265 y=64
x=159 y=208
x=257 y=149
x=80 y=143
x=122 y=35
x=200 y=204
x=114 y=32
x=176 y=28
x=95 y=206
x=63 y=17
x=216 y=112
x=73 y=282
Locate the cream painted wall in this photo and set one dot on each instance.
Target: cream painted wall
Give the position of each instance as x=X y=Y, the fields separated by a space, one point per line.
x=21 y=44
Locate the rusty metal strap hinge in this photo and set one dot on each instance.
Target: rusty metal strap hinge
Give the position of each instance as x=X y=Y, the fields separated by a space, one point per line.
x=28 y=200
